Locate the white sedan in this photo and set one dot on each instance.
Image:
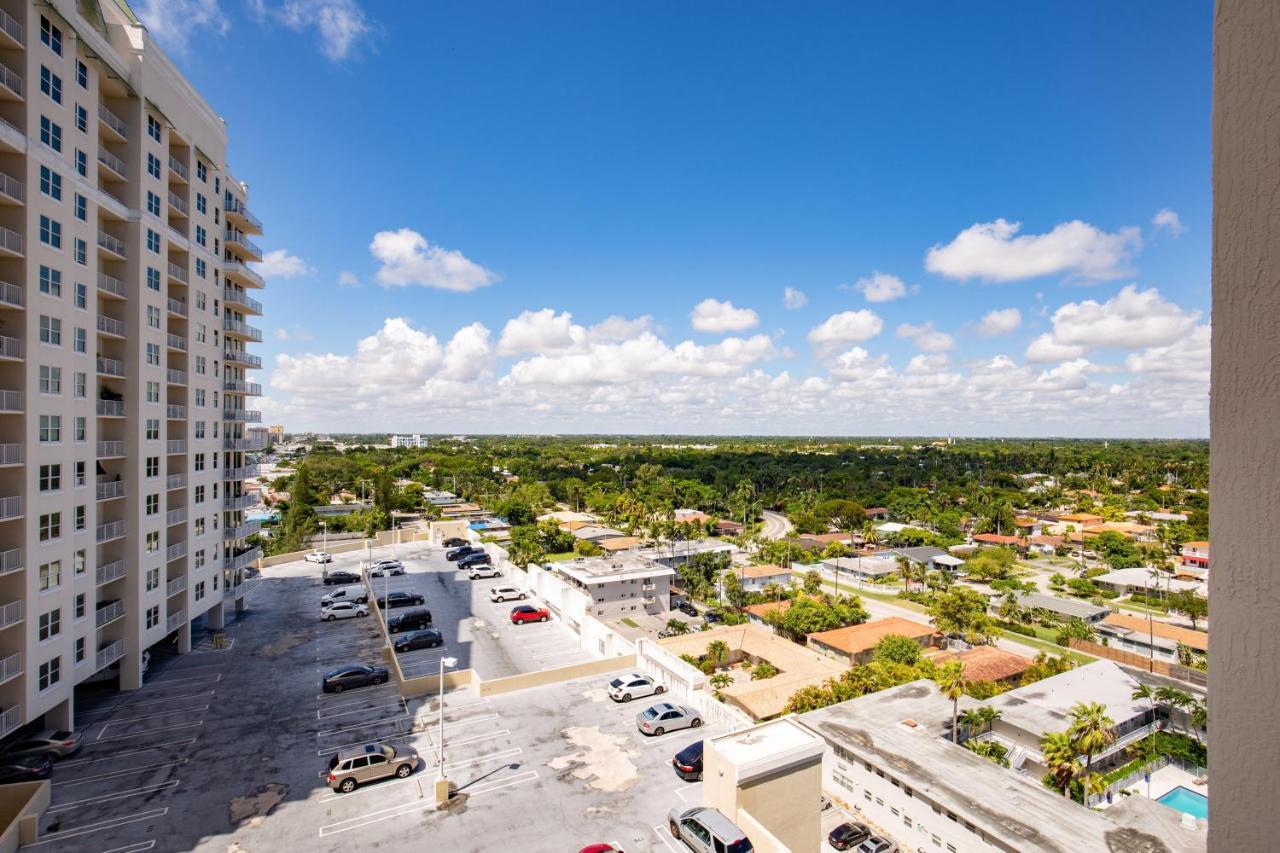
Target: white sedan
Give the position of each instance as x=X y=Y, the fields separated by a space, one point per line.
x=343 y=610
x=485 y=571
x=319 y=557
x=624 y=688
x=506 y=593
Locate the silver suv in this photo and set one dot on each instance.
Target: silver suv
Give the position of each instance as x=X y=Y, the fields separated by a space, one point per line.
x=705 y=830
x=368 y=763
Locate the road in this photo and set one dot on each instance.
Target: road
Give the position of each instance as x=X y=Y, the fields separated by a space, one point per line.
x=776 y=525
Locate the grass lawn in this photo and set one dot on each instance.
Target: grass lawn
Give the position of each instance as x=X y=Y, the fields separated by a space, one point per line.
x=629 y=622
x=1140 y=608
x=559 y=558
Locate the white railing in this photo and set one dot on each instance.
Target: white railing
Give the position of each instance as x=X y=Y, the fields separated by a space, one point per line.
x=110 y=572
x=10 y=347
x=244 y=443
x=10 y=719
x=242 y=560
x=177 y=445
x=110 y=530
x=10 y=561
x=111 y=408
x=11 y=666
x=242 y=415
x=11 y=507
x=113 y=163
x=230 y=534
x=10 y=240
x=110 y=366
x=111 y=284
x=177 y=166
x=111 y=244
x=109 y=654
x=11 y=79
x=250 y=389
x=239 y=327
x=10 y=401
x=175 y=413
x=111 y=490
x=242 y=473
x=175 y=551
x=237 y=297
x=238 y=269
x=176 y=585
x=179 y=272
x=178 y=201
x=110 y=325
x=175 y=620
x=10 y=186
x=238 y=208
x=109 y=613
x=113 y=121
x=175 y=516
x=177 y=341
x=177 y=306
x=11 y=614
x=175 y=481
x=241 y=589
x=11 y=27
x=10 y=294
x=109 y=449
x=232 y=502
x=176 y=377
x=10 y=454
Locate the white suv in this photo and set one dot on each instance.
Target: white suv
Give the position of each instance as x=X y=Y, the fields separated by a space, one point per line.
x=343 y=610
x=506 y=593
x=624 y=688
x=485 y=571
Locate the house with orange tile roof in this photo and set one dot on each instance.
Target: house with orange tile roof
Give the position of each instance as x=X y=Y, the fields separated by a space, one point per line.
x=997 y=540
x=857 y=643
x=759 y=614
x=1195 y=555
x=987 y=663
x=1150 y=637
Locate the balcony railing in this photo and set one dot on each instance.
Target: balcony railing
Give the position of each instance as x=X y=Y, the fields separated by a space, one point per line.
x=175 y=481
x=11 y=667
x=111 y=408
x=176 y=341
x=236 y=268
x=242 y=357
x=175 y=516
x=177 y=306
x=242 y=473
x=10 y=79
x=10 y=401
x=252 y=389
x=110 y=326
x=109 y=654
x=111 y=285
x=110 y=449
x=241 y=328
x=231 y=235
x=10 y=507
x=10 y=561
x=109 y=531
x=11 y=28
x=11 y=614
x=176 y=585
x=111 y=490
x=232 y=502
x=10 y=294
x=11 y=187
x=230 y=534
x=237 y=208
x=175 y=551
x=113 y=163
x=110 y=572
x=175 y=620
x=242 y=560
x=110 y=366
x=10 y=454
x=113 y=121
x=178 y=168
x=177 y=445
x=175 y=413
x=244 y=443
x=111 y=244
x=176 y=377
x=178 y=202
x=241 y=589
x=243 y=416
x=179 y=272
x=10 y=348
x=239 y=298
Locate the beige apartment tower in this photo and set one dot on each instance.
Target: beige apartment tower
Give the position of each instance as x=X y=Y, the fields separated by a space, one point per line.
x=124 y=331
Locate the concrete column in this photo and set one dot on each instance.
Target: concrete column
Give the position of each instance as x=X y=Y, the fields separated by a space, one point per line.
x=62 y=715
x=241 y=606
x=184 y=639
x=131 y=670
x=214 y=618
x=1244 y=597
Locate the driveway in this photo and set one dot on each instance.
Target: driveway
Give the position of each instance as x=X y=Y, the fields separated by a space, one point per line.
x=776 y=525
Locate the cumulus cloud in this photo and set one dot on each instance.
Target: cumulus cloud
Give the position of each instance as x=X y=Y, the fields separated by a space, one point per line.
x=341 y=25
x=408 y=259
x=1002 y=321
x=881 y=287
x=174 y=23
x=1168 y=220
x=926 y=337
x=278 y=263
x=712 y=315
x=348 y=279
x=539 y=331
x=993 y=251
x=1185 y=360
x=1046 y=349
x=1131 y=319
x=793 y=299
x=847 y=327
x=639 y=358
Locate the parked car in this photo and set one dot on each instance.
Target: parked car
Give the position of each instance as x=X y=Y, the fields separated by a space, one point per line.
x=847 y=834
x=876 y=844
x=713 y=616
x=624 y=688
x=704 y=830
x=427 y=638
x=411 y=620
x=354 y=592
x=601 y=848
x=528 y=613
x=353 y=675
x=343 y=610
x=688 y=762
x=29 y=769
x=666 y=717
x=319 y=557
x=485 y=570
x=389 y=567
x=455 y=542
x=458 y=553
x=480 y=559
x=400 y=599
x=370 y=762
x=506 y=593
x=340 y=577
x=48 y=743
x=687 y=608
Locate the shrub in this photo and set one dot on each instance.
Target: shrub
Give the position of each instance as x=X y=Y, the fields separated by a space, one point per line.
x=1014 y=627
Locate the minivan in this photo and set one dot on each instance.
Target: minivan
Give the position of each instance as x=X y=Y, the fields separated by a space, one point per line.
x=355 y=592
x=705 y=830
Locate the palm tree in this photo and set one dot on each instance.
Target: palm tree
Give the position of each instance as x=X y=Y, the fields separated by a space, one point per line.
x=1146 y=691
x=904 y=569
x=971 y=719
x=677 y=626
x=989 y=750
x=1061 y=758
x=988 y=715
x=718 y=651
x=1200 y=718
x=1091 y=731
x=951 y=682
x=1175 y=698
x=773 y=591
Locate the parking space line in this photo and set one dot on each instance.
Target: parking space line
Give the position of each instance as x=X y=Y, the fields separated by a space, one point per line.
x=158 y=714
x=133 y=848
x=354 y=702
x=113 y=774
x=382 y=722
x=106 y=798
x=114 y=755
x=148 y=731
x=166 y=699
x=156 y=685
x=663 y=835
x=398 y=783
x=101 y=825
x=409 y=808
x=372 y=694
x=398 y=704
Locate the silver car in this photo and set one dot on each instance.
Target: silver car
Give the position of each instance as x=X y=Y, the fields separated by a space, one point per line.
x=633 y=685
x=370 y=762
x=666 y=717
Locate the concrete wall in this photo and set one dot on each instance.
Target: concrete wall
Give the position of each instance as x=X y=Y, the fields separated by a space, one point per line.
x=554 y=676
x=344 y=548
x=21 y=805
x=787 y=807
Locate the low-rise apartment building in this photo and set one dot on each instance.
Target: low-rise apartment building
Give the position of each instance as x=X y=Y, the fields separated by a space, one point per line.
x=619 y=585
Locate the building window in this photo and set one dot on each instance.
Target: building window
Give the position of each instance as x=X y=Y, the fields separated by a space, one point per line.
x=82 y=295
x=50 y=379
x=80 y=518
x=51 y=84
x=50 y=331
x=153 y=128
x=153 y=466
x=50 y=281
x=82 y=119
x=199 y=590
x=200 y=235
x=80 y=385
x=201 y=364
x=200 y=267
x=153 y=165
x=153 y=279
x=78 y=340
x=202 y=171
x=199 y=396
x=199 y=525
x=50 y=134
x=82 y=74
x=153 y=504
x=50 y=232
x=199 y=494
x=50 y=526
x=81 y=562
x=153 y=616
x=153 y=203
x=50 y=478
x=200 y=303
x=82 y=163
x=50 y=429
x=82 y=252
x=79 y=474
x=79 y=650
x=153 y=392
x=82 y=429
x=81 y=208
x=153 y=429
x=199 y=463
x=50 y=35
x=153 y=316
x=50 y=673
x=199 y=429
x=153 y=355
x=153 y=542
x=50 y=183
x=153 y=579
x=153 y=241
x=50 y=575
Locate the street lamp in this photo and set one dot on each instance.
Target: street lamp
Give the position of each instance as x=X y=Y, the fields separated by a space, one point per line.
x=442 y=784
x=324 y=531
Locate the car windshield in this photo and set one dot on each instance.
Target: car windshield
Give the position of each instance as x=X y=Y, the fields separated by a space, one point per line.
x=650 y=713
x=617 y=682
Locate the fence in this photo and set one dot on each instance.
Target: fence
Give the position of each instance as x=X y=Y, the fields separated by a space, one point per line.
x=344 y=548
x=688 y=684
x=1200 y=678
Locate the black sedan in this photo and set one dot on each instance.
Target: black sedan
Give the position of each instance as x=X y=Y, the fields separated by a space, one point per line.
x=459 y=553
x=29 y=769
x=846 y=835
x=688 y=762
x=400 y=599
x=335 y=578
x=428 y=638
x=480 y=559
x=687 y=608
x=353 y=675
x=455 y=542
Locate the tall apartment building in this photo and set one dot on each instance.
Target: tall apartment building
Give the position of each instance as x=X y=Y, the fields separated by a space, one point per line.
x=123 y=335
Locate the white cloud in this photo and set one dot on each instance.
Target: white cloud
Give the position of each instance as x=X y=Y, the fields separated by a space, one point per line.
x=1045 y=349
x=881 y=287
x=539 y=332
x=1184 y=360
x=1129 y=320
x=928 y=363
x=174 y=23
x=847 y=327
x=926 y=337
x=1002 y=321
x=295 y=333
x=991 y=251
x=1168 y=220
x=407 y=258
x=278 y=263
x=348 y=279
x=627 y=362
x=467 y=355
x=712 y=315
x=793 y=299
x=341 y=25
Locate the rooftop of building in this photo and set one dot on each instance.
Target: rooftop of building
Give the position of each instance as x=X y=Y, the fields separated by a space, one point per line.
x=872 y=566
x=855 y=639
x=767 y=571
x=611 y=567
x=1045 y=706
x=685 y=548
x=1145 y=628
x=1144 y=577
x=1066 y=606
x=987 y=663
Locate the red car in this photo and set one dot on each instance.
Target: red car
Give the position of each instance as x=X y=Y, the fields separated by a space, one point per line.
x=600 y=848
x=529 y=613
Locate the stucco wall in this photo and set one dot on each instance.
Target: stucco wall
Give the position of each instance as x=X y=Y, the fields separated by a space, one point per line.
x=1244 y=669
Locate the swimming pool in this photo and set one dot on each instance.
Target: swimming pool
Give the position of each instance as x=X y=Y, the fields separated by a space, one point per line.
x=1187 y=802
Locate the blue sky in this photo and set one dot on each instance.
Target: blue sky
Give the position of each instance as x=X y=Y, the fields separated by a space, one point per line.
x=632 y=162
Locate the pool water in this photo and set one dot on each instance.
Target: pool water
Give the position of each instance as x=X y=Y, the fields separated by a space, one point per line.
x=1188 y=802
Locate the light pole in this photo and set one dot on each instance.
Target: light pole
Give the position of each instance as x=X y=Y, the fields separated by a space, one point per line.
x=324 y=531
x=442 y=784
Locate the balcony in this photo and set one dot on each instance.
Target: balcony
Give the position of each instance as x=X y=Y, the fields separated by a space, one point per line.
x=10 y=348
x=176 y=342
x=10 y=295
x=110 y=490
x=109 y=654
x=175 y=620
x=110 y=326
x=175 y=413
x=10 y=454
x=179 y=235
x=234 y=502
x=111 y=245
x=230 y=534
x=10 y=719
x=240 y=329
x=111 y=285
x=110 y=572
x=176 y=445
x=110 y=449
x=10 y=190
x=176 y=377
x=175 y=516
x=177 y=170
x=236 y=211
x=242 y=416
x=111 y=408
x=10 y=667
x=10 y=561
x=244 y=443
x=178 y=273
x=175 y=481
x=178 y=203
x=10 y=31
x=175 y=586
x=12 y=138
x=242 y=560
x=110 y=531
x=241 y=301
x=113 y=164
x=110 y=367
x=10 y=507
x=242 y=358
x=11 y=614
x=177 y=306
x=241 y=273
x=10 y=84
x=251 y=389
x=176 y=551
x=234 y=238
x=241 y=589
x=114 y=125
x=11 y=402
x=242 y=473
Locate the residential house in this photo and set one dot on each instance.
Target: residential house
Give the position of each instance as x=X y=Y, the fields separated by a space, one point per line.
x=1195 y=555
x=1145 y=580
x=756 y=578
x=858 y=568
x=673 y=554
x=564 y=516
x=876 y=513
x=987 y=663
x=1043 y=546
x=593 y=532
x=1027 y=526
x=725 y=527
x=1063 y=608
x=997 y=540
x=462 y=510
x=758 y=614
x=616 y=544
x=855 y=644
x=1150 y=637
x=926 y=555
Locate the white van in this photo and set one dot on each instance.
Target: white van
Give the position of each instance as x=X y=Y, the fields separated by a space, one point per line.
x=355 y=592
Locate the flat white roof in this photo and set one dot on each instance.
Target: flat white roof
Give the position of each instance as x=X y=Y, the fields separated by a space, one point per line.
x=589 y=570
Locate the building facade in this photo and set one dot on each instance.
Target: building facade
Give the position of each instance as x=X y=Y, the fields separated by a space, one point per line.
x=122 y=462
x=414 y=440
x=619 y=585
